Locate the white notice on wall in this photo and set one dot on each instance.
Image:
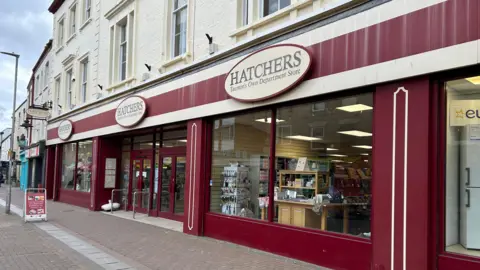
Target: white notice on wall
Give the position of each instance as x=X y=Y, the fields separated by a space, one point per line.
x=302 y=162
x=110 y=172
x=475 y=132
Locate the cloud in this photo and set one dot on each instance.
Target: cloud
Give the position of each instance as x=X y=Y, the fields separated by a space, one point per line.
x=25 y=28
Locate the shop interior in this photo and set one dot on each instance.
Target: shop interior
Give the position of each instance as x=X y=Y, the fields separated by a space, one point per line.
x=323 y=155
x=462 y=181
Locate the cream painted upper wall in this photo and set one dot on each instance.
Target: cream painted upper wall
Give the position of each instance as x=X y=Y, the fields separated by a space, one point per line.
x=42 y=94
x=83 y=43
x=220 y=21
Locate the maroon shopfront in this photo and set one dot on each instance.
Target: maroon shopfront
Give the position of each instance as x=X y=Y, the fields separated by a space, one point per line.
x=306 y=155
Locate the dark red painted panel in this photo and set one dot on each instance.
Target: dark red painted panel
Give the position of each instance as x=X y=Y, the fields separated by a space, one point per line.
x=333 y=251
x=195 y=183
x=50 y=171
x=438 y=26
x=77 y=198
x=417 y=218
x=450 y=262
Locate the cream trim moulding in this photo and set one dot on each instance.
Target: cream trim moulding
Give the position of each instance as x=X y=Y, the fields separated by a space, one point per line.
x=117 y=8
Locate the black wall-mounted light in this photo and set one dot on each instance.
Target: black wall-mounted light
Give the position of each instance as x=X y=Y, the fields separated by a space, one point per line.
x=210 y=38
x=26 y=124
x=148 y=67
x=100 y=86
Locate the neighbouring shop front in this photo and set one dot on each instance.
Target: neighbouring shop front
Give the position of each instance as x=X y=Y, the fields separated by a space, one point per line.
x=36 y=167
x=310 y=149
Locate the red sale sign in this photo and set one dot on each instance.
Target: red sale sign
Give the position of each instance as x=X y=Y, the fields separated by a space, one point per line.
x=35 y=206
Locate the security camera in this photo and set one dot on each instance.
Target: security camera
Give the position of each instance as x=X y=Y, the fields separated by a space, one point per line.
x=73 y=78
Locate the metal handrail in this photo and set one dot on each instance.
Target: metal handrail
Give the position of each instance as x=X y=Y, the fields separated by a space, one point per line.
x=111 y=201
x=135 y=197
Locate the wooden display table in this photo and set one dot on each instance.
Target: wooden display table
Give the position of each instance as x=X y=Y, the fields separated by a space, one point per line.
x=301 y=214
x=297 y=214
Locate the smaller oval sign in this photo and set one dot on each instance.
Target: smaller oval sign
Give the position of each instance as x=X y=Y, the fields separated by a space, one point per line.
x=131 y=111
x=268 y=72
x=65 y=129
x=38 y=113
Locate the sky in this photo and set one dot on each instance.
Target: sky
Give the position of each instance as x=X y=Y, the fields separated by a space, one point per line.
x=25 y=28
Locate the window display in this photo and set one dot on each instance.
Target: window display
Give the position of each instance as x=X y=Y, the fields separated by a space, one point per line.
x=462 y=181
x=77 y=166
x=240 y=150
x=322 y=178
x=84 y=166
x=68 y=165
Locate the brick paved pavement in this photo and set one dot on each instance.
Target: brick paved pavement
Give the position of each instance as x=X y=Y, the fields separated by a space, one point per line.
x=24 y=246
x=157 y=248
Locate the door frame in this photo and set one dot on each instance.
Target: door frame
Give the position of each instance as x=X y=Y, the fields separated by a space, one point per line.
x=173 y=152
x=139 y=155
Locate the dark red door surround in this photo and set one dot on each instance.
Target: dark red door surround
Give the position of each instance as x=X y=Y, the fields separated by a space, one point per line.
x=195 y=182
x=442 y=25
x=446 y=260
x=401 y=117
x=50 y=171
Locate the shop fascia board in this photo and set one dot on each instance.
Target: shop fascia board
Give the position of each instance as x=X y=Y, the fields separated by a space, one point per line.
x=208 y=60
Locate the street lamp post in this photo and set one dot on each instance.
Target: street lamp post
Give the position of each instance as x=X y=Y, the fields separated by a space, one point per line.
x=12 y=135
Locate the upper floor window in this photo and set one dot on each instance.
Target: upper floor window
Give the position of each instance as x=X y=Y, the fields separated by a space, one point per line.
x=69 y=86
x=57 y=95
x=60 y=32
x=41 y=82
x=87 y=5
x=47 y=70
x=268 y=7
x=121 y=46
x=123 y=52
x=73 y=19
x=37 y=85
x=84 y=80
x=179 y=16
x=244 y=18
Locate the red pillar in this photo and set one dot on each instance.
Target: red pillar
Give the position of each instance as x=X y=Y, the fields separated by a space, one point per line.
x=195 y=177
x=94 y=187
x=50 y=171
x=401 y=162
x=57 y=171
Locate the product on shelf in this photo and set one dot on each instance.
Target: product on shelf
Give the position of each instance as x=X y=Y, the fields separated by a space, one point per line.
x=235 y=190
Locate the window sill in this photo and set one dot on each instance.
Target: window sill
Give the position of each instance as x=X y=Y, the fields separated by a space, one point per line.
x=71 y=37
x=120 y=84
x=85 y=23
x=59 y=49
x=270 y=18
x=182 y=57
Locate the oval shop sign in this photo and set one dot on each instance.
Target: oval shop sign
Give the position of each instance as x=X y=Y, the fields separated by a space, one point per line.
x=131 y=111
x=268 y=72
x=65 y=129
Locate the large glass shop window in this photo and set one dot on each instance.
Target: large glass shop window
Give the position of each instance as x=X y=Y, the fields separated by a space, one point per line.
x=323 y=155
x=462 y=178
x=77 y=166
x=241 y=147
x=323 y=164
x=84 y=166
x=68 y=165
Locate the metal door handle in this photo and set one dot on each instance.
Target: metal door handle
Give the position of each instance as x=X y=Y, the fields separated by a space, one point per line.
x=468 y=176
x=468 y=197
